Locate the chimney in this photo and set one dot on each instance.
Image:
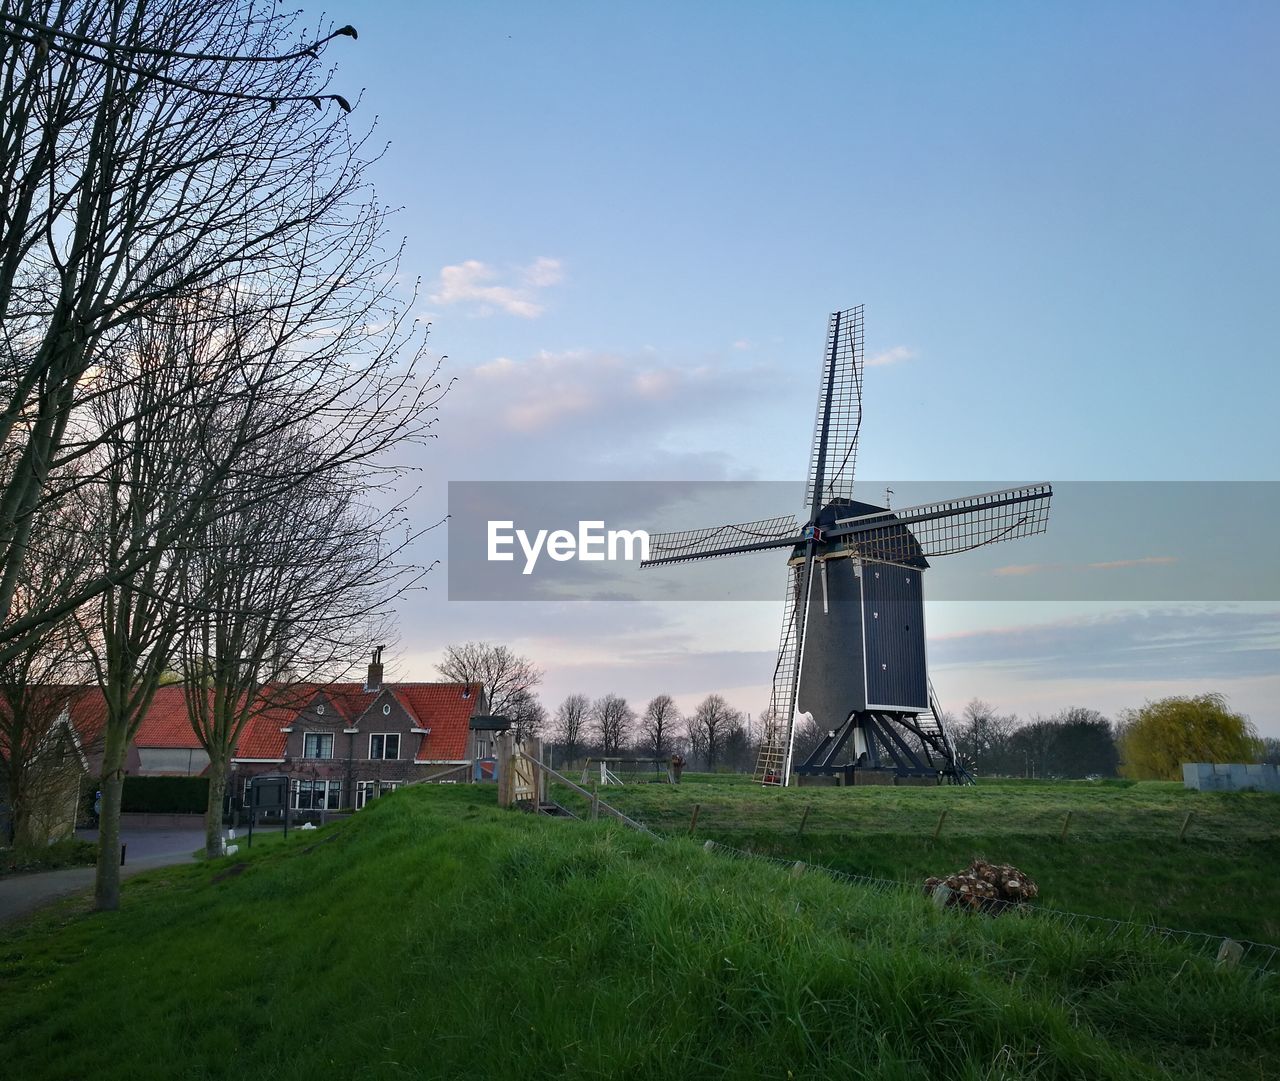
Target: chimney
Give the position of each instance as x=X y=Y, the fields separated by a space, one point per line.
x=374 y=681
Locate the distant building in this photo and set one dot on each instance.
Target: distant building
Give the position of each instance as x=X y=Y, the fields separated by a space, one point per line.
x=341 y=744
x=1230 y=777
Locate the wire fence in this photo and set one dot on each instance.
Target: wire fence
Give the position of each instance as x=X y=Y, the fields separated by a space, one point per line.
x=1259 y=957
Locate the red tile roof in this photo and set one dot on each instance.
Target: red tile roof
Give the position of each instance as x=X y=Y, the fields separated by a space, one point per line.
x=445 y=708
x=167 y=723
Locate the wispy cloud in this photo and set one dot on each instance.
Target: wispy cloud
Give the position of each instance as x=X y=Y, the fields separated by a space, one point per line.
x=1022 y=570
x=487 y=289
x=896 y=355
x=544 y=391
x=1145 y=561
x=1185 y=642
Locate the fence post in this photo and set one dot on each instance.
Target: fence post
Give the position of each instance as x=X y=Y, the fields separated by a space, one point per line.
x=533 y=752
x=506 y=782
x=595 y=801
x=1065 y=823
x=803 y=819
x=938 y=828
x=693 y=822
x=1182 y=833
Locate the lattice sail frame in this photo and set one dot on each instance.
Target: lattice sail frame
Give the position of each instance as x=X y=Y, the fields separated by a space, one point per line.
x=835 y=442
x=951 y=525
x=691 y=544
x=772 y=763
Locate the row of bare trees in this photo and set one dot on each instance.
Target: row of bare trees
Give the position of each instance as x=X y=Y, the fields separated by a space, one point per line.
x=715 y=735
x=206 y=373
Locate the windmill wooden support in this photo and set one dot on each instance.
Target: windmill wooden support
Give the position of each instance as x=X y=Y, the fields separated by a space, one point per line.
x=852 y=652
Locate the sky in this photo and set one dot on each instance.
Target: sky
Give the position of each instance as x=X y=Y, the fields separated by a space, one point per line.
x=630 y=222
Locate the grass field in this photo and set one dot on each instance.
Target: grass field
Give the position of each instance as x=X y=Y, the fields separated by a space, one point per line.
x=1121 y=857
x=434 y=936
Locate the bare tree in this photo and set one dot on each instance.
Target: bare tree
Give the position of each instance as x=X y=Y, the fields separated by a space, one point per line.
x=571 y=725
x=278 y=591
x=611 y=718
x=658 y=725
x=526 y=714
x=151 y=149
x=710 y=725
x=130 y=631
x=983 y=735
x=505 y=676
x=809 y=735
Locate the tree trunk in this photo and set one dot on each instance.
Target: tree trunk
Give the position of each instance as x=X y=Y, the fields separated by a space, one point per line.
x=213 y=813
x=106 y=887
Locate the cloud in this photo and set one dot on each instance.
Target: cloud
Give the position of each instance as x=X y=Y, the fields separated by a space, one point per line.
x=1177 y=643
x=480 y=285
x=742 y=343
x=597 y=390
x=1145 y=561
x=895 y=355
x=1022 y=570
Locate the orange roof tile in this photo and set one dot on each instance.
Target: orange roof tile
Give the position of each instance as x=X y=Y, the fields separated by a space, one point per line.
x=445 y=708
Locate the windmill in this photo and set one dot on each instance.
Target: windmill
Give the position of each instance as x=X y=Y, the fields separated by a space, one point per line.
x=852 y=652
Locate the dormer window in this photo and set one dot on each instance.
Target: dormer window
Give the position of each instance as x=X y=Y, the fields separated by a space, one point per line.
x=384 y=745
x=386 y=709
x=317 y=745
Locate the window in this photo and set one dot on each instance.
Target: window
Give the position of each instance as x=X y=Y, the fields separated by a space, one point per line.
x=387 y=786
x=320 y=709
x=314 y=795
x=384 y=745
x=317 y=745
x=365 y=791
x=386 y=709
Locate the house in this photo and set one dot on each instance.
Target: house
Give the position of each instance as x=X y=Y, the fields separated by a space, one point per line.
x=51 y=775
x=343 y=744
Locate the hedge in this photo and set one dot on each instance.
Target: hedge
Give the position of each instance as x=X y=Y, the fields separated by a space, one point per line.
x=165 y=795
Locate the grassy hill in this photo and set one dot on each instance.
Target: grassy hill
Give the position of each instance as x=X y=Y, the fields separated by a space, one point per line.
x=1121 y=857
x=434 y=936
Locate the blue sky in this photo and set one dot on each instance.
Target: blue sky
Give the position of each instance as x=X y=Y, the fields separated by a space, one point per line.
x=631 y=221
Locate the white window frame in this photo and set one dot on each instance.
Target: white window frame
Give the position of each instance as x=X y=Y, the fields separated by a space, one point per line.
x=365 y=791
x=388 y=786
x=319 y=737
x=384 y=736
x=332 y=788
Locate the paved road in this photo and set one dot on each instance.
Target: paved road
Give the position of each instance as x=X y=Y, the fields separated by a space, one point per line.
x=144 y=850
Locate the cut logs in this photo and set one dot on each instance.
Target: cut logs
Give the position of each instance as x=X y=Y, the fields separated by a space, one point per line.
x=986 y=887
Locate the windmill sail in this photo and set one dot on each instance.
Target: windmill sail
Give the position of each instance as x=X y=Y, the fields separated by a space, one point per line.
x=775 y=747
x=835 y=429
x=949 y=526
x=724 y=540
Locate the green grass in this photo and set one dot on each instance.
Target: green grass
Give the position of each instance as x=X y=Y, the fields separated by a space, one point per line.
x=434 y=936
x=1121 y=858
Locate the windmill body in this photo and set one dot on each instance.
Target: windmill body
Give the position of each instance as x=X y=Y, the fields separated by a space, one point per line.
x=852 y=655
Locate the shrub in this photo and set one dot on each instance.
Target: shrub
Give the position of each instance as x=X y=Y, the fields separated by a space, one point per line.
x=165 y=795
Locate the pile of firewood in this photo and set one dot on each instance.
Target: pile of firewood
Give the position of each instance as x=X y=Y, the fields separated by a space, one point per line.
x=986 y=887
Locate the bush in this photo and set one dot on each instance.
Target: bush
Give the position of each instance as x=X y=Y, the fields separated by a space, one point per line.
x=165 y=795
x=71 y=852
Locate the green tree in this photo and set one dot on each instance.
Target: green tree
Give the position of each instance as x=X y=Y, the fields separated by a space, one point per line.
x=1155 y=740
